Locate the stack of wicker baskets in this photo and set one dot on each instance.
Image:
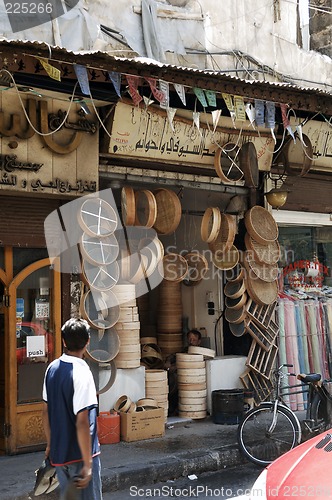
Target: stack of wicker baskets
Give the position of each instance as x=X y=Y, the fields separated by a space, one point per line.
x=170 y=317
x=128 y=328
x=156 y=387
x=191 y=374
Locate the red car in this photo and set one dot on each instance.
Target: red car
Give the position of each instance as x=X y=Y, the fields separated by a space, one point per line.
x=29 y=329
x=305 y=471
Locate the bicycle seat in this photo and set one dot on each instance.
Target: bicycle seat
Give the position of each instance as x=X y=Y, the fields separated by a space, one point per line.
x=309 y=377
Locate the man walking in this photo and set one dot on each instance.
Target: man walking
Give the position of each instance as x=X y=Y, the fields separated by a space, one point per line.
x=70 y=415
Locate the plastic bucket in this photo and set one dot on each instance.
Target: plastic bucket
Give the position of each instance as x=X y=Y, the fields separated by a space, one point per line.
x=227 y=406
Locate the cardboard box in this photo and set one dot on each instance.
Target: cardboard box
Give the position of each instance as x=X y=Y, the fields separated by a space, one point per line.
x=140 y=425
x=108 y=424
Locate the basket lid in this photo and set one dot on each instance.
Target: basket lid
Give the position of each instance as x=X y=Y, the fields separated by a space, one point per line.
x=169 y=211
x=265 y=254
x=261 y=225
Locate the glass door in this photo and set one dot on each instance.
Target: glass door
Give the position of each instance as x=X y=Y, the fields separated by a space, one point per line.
x=33 y=303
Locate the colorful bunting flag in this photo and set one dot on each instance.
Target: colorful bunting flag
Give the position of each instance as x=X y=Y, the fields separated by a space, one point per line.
x=271 y=117
x=82 y=77
x=115 y=78
x=196 y=116
x=52 y=72
x=250 y=110
x=133 y=82
x=164 y=87
x=215 y=118
x=259 y=112
x=147 y=101
x=211 y=98
x=180 y=92
x=199 y=93
x=240 y=112
x=285 y=121
x=158 y=94
x=229 y=102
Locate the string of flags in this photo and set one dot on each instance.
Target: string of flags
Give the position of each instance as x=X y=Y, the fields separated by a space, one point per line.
x=260 y=113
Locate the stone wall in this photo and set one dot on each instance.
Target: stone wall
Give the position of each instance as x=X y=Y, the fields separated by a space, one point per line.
x=321 y=28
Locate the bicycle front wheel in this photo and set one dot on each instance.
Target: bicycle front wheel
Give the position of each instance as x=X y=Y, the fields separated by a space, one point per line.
x=258 y=443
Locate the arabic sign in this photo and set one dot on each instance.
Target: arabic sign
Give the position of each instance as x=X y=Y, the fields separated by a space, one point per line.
x=58 y=163
x=146 y=133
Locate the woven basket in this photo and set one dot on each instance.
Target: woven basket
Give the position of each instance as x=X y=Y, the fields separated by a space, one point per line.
x=197 y=266
x=100 y=310
x=168 y=211
x=210 y=224
x=104 y=345
x=175 y=267
x=226 y=260
x=264 y=254
x=128 y=206
x=261 y=225
x=249 y=164
x=261 y=292
x=236 y=303
x=238 y=329
x=262 y=271
x=227 y=163
x=235 y=315
x=226 y=235
x=100 y=278
x=146 y=208
x=99 y=251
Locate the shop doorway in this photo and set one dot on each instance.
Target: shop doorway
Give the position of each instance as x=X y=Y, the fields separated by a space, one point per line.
x=30 y=319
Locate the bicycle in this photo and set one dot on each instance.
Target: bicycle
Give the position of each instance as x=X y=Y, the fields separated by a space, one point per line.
x=272 y=428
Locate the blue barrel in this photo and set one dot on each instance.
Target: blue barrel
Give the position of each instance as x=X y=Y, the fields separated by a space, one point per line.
x=227 y=406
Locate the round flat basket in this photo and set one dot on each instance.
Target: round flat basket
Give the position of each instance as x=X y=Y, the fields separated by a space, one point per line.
x=154 y=244
x=97 y=218
x=238 y=329
x=236 y=303
x=262 y=271
x=101 y=278
x=226 y=235
x=99 y=251
x=261 y=225
x=207 y=353
x=236 y=273
x=226 y=260
x=210 y=224
x=100 y=310
x=299 y=157
x=168 y=211
x=197 y=266
x=128 y=206
x=104 y=345
x=175 y=267
x=261 y=292
x=235 y=315
x=146 y=208
x=249 y=164
x=122 y=404
x=264 y=254
x=227 y=163
x=234 y=289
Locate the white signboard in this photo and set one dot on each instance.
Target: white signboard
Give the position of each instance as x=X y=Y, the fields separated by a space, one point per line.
x=36 y=346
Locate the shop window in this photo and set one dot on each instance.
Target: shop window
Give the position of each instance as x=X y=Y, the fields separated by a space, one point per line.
x=23 y=257
x=306 y=258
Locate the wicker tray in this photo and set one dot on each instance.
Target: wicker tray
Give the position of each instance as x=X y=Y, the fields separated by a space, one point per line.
x=262 y=271
x=265 y=254
x=168 y=211
x=227 y=164
x=226 y=235
x=146 y=208
x=236 y=316
x=261 y=225
x=249 y=164
x=262 y=292
x=128 y=206
x=210 y=224
x=175 y=267
x=226 y=260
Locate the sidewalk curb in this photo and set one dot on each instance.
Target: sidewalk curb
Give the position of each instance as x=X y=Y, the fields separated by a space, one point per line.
x=172 y=468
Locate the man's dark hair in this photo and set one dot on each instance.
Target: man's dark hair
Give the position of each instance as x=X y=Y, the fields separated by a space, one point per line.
x=195 y=332
x=75 y=333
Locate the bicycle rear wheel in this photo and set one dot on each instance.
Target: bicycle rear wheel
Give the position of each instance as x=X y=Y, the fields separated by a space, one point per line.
x=257 y=444
x=318 y=413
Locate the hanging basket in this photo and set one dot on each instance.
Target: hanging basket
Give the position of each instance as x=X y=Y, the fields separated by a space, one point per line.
x=261 y=225
x=146 y=208
x=97 y=218
x=210 y=224
x=227 y=163
x=169 y=211
x=175 y=267
x=128 y=206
